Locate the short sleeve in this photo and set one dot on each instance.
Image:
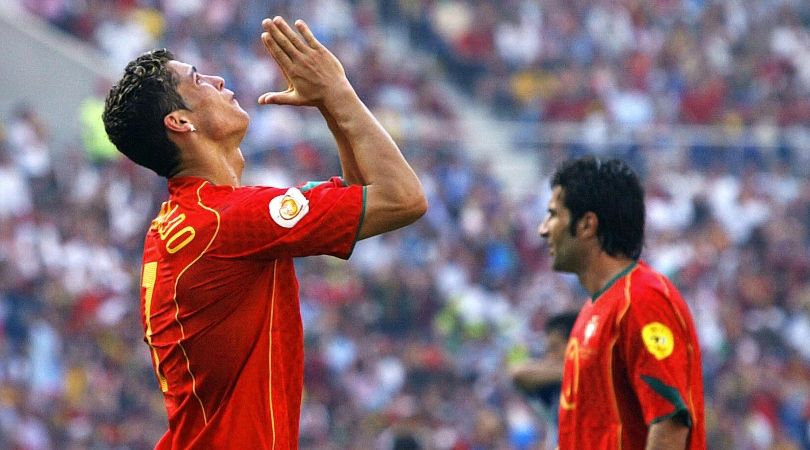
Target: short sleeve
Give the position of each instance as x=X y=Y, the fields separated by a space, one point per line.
x=655 y=349
x=318 y=218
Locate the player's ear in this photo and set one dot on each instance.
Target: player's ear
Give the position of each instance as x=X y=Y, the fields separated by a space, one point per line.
x=588 y=225
x=178 y=121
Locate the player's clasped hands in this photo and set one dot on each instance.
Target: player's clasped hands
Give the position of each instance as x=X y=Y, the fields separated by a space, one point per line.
x=311 y=70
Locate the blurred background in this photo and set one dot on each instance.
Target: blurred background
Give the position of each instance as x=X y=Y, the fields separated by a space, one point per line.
x=410 y=342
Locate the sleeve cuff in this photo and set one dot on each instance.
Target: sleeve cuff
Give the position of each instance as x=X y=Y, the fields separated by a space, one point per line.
x=672 y=396
x=359 y=223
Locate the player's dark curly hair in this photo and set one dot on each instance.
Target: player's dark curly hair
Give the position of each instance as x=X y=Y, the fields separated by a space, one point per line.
x=135 y=108
x=613 y=192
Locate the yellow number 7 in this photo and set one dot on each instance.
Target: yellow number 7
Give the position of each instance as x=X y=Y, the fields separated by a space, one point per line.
x=148 y=282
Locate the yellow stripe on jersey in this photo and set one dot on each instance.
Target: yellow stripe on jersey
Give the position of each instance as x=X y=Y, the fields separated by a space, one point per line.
x=177 y=305
x=270 y=355
x=148 y=280
x=628 y=282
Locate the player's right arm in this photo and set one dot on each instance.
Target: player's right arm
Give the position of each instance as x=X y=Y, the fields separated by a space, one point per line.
x=394 y=195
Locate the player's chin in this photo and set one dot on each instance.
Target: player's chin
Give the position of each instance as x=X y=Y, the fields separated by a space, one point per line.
x=559 y=265
x=240 y=111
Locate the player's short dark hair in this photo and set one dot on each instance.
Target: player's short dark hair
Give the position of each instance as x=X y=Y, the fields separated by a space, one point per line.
x=135 y=108
x=613 y=192
x=562 y=323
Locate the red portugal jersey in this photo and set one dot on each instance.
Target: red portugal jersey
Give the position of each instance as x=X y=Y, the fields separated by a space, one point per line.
x=632 y=360
x=219 y=303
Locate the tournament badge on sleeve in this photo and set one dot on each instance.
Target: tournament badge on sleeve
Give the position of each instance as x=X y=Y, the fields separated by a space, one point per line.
x=658 y=339
x=286 y=210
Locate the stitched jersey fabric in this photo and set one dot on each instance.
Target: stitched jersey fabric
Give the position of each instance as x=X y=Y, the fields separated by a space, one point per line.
x=219 y=304
x=632 y=360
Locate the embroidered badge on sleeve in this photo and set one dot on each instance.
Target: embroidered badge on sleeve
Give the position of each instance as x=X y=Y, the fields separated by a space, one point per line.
x=286 y=210
x=658 y=339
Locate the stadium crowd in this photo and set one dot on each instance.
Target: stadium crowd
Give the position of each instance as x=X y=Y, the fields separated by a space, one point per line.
x=408 y=342
x=630 y=62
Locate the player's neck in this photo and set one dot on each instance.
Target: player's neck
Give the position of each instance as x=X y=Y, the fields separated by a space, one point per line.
x=220 y=166
x=601 y=270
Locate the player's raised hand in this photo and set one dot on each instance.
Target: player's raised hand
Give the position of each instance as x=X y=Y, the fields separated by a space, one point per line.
x=311 y=70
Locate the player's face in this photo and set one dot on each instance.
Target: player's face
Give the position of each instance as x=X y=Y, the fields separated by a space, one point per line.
x=555 y=229
x=215 y=111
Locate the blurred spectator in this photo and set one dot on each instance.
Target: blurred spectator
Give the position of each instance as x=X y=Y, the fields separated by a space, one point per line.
x=94 y=137
x=541 y=378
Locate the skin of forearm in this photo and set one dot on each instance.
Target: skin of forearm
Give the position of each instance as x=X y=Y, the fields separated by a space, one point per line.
x=348 y=163
x=667 y=435
x=376 y=156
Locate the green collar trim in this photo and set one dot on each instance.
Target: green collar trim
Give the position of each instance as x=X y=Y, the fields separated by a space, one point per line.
x=607 y=286
x=310 y=185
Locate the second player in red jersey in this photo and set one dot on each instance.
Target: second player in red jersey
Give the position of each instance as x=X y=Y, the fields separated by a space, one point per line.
x=631 y=361
x=632 y=372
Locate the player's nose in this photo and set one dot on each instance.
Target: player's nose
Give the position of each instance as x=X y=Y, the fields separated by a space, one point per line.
x=217 y=82
x=542 y=229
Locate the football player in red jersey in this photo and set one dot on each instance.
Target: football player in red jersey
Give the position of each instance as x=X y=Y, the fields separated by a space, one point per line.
x=219 y=295
x=632 y=373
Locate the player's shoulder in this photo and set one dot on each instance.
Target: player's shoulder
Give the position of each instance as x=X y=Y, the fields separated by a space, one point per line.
x=644 y=277
x=208 y=196
x=192 y=201
x=654 y=289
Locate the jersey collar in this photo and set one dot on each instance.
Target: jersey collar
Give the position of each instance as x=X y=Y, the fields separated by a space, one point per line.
x=607 y=285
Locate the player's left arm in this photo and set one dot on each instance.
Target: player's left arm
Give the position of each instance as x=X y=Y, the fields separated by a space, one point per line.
x=394 y=196
x=658 y=352
x=316 y=218
x=348 y=163
x=669 y=434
